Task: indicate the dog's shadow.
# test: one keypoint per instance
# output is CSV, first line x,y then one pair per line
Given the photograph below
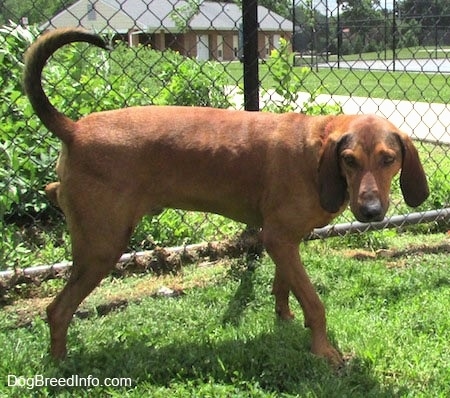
x,y
276,362
245,293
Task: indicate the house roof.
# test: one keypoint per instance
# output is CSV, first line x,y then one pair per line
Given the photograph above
x,y
156,15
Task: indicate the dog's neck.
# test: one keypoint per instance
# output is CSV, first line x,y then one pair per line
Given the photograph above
x,y
327,130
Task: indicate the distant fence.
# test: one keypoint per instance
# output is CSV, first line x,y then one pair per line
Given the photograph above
x,y
217,54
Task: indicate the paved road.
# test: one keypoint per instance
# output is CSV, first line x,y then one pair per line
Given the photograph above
x,y
421,120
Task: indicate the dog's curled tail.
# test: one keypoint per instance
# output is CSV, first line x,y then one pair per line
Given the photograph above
x,y
35,59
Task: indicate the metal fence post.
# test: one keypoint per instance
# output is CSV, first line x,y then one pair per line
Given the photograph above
x,y
250,59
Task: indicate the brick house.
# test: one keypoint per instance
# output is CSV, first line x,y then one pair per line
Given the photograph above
x,y
209,32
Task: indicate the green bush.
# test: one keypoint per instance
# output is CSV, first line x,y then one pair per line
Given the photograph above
x,y
80,80
26,157
192,83
288,85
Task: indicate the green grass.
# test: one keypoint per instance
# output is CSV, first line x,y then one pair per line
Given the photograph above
x,y
389,85
221,339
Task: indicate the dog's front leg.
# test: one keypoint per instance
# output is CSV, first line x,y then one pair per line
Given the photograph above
x,y
290,275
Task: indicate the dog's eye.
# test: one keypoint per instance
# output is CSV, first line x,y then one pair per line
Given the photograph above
x,y
388,160
349,160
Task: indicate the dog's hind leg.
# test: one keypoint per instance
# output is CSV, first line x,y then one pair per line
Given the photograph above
x,y
281,292
96,246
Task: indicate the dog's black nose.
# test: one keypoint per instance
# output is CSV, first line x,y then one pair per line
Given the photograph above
x,y
371,211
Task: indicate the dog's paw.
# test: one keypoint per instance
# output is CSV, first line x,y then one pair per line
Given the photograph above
x,y
331,354
285,314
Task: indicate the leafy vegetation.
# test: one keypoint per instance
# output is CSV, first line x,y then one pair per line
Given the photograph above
x,y
36,11
80,80
288,86
22,162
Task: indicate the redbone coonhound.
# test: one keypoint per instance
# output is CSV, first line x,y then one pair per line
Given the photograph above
x,y
285,173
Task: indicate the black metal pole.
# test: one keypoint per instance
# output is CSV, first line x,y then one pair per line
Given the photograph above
x,y
394,33
250,34
436,26
385,29
293,30
327,31
339,36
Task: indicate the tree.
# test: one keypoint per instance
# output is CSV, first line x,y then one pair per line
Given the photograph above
x,y
37,11
310,28
432,16
362,18
360,9
361,12
427,12
284,7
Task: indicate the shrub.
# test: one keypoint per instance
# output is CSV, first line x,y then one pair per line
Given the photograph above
x,y
25,158
80,80
288,86
187,82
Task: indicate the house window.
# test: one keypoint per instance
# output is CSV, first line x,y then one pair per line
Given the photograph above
x,y
267,45
219,47
236,46
91,13
276,41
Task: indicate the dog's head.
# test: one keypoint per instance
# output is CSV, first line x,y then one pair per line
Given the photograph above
x,y
360,157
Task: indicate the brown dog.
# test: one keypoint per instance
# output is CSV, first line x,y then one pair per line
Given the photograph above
x,y
284,173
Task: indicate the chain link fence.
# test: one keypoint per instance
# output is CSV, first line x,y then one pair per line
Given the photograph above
x,y
312,56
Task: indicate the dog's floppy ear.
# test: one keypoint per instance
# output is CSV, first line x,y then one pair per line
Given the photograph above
x,y
413,181
332,185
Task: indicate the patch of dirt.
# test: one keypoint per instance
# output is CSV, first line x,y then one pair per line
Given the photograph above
x,y
157,262
109,296
160,275
362,255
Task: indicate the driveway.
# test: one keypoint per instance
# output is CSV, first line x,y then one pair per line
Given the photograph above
x,y
421,120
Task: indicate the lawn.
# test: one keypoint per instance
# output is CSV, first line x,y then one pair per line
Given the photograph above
x,y
389,85
387,311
